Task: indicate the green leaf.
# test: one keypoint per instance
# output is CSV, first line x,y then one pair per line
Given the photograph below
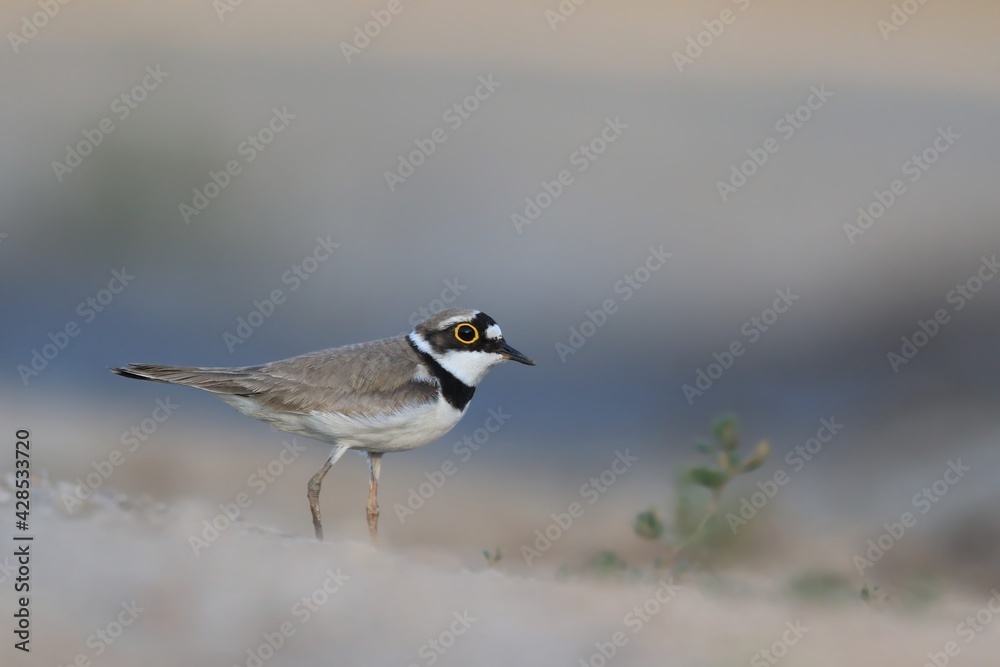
x,y
729,461
608,562
725,429
706,447
708,477
758,457
648,525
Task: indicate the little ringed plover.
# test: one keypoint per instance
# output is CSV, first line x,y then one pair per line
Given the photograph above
x,y
387,395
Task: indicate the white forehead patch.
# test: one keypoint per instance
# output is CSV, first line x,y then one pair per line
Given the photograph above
x,y
493,331
454,320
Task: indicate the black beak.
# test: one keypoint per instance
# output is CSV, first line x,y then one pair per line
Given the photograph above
x,y
511,354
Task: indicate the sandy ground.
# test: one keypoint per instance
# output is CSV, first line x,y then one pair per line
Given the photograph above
x,y
262,586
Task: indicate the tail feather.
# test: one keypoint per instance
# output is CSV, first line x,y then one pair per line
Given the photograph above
x,y
215,380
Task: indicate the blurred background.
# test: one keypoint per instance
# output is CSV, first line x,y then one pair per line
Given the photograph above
x,y
166,169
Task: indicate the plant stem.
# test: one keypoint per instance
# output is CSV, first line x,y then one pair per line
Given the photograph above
x,y
700,529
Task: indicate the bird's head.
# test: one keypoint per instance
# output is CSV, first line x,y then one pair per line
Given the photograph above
x,y
467,343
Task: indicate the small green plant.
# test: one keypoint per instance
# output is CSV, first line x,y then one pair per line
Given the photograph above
x,y
874,598
609,565
648,525
694,516
608,562
823,586
492,558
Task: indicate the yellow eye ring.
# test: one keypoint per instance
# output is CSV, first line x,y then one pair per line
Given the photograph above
x,y
464,327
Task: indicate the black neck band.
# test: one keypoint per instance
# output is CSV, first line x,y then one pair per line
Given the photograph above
x,y
457,393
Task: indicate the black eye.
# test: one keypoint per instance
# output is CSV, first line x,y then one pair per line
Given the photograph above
x,y
466,333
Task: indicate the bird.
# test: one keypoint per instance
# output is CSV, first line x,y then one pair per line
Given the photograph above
x,y
387,395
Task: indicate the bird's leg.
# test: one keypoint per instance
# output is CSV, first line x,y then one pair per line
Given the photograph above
x,y
313,493
375,465
314,486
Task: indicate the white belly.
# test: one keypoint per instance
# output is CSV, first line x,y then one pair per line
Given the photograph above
x,y
403,430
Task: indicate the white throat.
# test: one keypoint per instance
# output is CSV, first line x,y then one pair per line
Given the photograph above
x,y
470,367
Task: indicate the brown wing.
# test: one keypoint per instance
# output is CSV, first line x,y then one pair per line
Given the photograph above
x,y
366,378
